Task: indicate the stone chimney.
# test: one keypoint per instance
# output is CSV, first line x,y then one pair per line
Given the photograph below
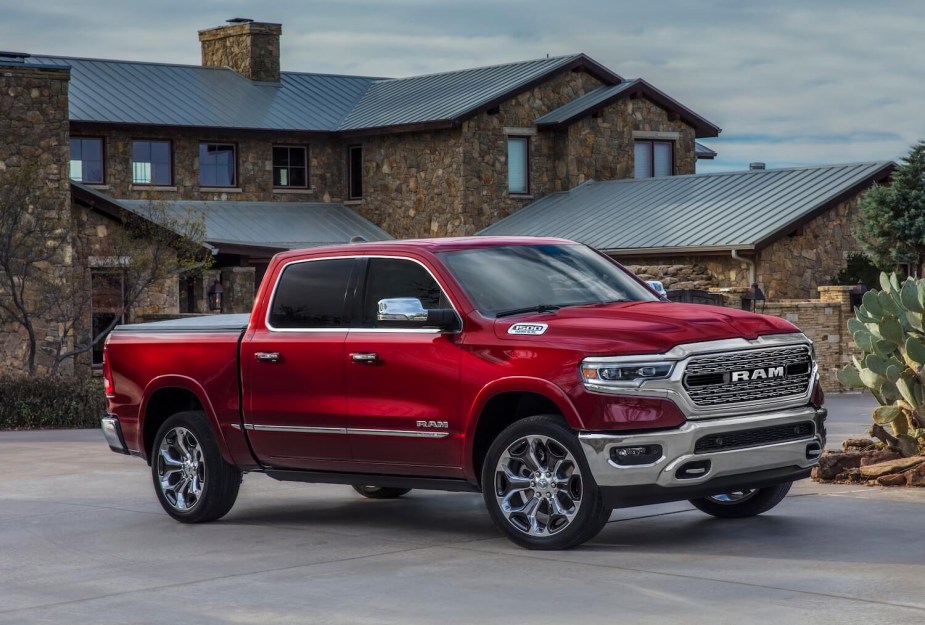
x,y
248,47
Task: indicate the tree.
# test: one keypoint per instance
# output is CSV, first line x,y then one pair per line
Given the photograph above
x,y
891,227
45,264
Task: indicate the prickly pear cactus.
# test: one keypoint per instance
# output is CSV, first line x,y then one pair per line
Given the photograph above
x,y
888,329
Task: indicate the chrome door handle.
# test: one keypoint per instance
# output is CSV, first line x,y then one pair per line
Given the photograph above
x,y
267,356
364,357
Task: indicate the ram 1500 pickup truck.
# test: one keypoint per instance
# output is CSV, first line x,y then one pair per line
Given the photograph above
x,y
537,371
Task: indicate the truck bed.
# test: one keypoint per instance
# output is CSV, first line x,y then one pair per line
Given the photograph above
x,y
211,323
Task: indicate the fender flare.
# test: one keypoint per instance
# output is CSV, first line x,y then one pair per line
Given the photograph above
x,y
519,384
192,386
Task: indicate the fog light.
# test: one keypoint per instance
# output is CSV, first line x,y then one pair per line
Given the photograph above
x,y
636,455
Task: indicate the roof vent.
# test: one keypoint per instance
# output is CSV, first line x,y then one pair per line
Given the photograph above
x,y
757,166
239,20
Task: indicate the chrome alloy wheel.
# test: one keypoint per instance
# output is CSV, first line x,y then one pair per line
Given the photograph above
x,y
538,485
181,470
734,497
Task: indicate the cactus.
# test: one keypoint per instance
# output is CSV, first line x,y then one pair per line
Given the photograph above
x,y
889,330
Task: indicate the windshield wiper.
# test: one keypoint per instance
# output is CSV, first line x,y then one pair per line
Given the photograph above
x,y
540,308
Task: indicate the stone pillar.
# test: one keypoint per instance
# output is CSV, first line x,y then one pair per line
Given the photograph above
x,y
35,133
840,299
238,283
249,48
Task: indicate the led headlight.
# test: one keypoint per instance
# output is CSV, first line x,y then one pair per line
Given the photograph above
x,y
615,373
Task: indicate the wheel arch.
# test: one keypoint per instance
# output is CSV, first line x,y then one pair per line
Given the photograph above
x,y
504,402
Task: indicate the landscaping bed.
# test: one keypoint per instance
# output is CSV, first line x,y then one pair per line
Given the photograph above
x,y
863,461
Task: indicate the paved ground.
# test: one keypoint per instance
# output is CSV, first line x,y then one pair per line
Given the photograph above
x,y
83,541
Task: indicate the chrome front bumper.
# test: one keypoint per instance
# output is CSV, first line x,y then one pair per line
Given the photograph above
x,y
678,451
112,431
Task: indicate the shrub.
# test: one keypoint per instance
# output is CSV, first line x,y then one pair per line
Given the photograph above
x,y
50,402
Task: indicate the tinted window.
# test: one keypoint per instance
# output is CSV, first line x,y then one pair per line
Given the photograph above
x,y
290,166
86,160
312,295
151,162
216,165
507,278
388,278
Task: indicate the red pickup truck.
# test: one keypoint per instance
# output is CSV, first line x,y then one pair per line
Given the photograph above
x,y
537,371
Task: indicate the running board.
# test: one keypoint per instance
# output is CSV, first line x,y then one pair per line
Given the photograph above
x,y
373,479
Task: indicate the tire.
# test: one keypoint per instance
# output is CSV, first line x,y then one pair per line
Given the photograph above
x,y
538,487
380,492
193,482
743,503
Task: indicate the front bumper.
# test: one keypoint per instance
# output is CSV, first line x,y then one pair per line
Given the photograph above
x,y
680,467
112,431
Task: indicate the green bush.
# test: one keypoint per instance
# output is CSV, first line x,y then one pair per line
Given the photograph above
x,y
50,402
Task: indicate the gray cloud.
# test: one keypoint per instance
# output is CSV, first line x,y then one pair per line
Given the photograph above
x,y
790,82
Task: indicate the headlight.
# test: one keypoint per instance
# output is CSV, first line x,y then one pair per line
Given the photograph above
x,y
624,374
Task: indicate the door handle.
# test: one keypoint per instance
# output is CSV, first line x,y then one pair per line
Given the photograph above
x,y
267,356
364,357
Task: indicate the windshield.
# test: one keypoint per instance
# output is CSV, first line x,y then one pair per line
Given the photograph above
x,y
521,278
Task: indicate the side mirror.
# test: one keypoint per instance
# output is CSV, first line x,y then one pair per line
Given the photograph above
x,y
410,310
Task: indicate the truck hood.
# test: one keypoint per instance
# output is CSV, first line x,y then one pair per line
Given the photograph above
x,y
638,327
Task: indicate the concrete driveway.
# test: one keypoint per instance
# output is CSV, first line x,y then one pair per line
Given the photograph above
x,y
83,541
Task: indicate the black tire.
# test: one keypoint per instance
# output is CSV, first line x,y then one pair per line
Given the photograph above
x,y
195,485
568,486
380,492
744,503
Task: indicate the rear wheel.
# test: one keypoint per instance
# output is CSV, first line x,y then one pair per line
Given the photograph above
x,y
380,492
193,482
743,503
538,488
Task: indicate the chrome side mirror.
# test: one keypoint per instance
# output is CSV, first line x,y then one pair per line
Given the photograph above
x,y
402,309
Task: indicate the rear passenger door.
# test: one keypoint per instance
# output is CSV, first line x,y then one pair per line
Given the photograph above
x,y
403,378
293,367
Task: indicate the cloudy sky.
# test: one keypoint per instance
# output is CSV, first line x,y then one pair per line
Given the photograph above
x,y
790,82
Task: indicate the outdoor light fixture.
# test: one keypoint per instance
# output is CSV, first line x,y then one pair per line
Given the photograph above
x,y
752,296
216,294
857,293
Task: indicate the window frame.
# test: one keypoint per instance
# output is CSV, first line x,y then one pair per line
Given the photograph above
x,y
235,181
293,146
350,171
652,143
103,167
171,167
528,157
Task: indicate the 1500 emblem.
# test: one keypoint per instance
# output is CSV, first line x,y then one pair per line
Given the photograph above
x,y
434,424
529,329
758,374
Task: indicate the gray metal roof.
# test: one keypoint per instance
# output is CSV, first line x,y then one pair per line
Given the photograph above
x,y
446,96
721,211
703,151
586,103
280,225
185,95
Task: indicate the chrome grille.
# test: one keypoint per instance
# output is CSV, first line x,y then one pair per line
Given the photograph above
x,y
708,380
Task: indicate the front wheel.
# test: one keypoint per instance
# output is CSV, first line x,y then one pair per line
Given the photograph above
x,y
538,488
744,503
193,482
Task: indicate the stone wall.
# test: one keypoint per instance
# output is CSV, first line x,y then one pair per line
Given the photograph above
x,y
251,49
792,267
34,128
254,152
689,272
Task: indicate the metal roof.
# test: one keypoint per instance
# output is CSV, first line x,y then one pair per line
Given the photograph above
x,y
703,151
583,105
129,92
447,96
700,212
279,225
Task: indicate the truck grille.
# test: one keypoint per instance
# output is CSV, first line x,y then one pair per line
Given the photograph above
x,y
754,438
746,376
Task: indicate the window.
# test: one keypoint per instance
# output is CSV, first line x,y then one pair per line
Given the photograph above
x,y
87,159
217,165
290,166
518,165
355,171
107,294
151,163
654,158
312,294
388,278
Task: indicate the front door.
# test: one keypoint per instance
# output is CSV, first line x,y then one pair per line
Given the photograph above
x,y
293,368
403,378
